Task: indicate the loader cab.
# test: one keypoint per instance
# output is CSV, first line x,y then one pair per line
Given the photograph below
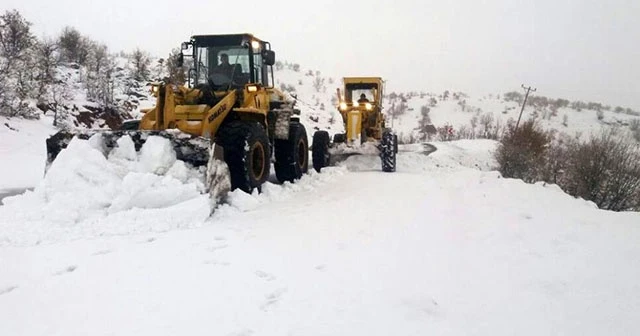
x,y
229,61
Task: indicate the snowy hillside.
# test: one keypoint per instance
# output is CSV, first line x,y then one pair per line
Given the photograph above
x,y
470,117
479,114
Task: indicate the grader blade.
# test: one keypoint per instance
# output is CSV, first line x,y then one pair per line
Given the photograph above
x,y
336,158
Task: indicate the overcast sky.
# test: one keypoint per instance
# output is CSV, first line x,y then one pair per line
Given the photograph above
x,y
585,49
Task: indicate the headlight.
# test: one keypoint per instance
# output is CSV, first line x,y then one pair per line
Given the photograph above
x,y
255,45
355,103
368,106
343,106
252,88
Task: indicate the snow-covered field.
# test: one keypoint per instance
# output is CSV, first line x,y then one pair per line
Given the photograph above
x,y
442,246
126,244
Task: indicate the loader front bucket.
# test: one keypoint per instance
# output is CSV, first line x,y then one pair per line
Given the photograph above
x,y
194,150
189,148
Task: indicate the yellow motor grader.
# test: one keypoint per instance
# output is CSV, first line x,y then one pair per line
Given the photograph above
x,y
364,124
229,112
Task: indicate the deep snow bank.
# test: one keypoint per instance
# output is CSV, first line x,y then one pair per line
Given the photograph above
x,y
86,191
415,158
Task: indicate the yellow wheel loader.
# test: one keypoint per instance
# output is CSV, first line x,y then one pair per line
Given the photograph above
x,y
229,112
364,124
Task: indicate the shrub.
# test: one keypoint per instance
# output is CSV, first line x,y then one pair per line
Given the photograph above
x,y
521,152
605,170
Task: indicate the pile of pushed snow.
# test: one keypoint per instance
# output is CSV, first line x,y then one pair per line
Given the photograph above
x,y
89,192
239,201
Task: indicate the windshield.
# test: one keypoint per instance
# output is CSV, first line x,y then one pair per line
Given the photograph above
x,y
222,66
361,92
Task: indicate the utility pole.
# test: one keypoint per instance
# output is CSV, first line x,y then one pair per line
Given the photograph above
x,y
525,102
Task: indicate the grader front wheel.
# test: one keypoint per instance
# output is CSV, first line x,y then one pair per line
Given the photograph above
x,y
388,151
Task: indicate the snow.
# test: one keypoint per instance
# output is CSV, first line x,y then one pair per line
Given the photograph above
x,y
444,245
23,151
125,242
87,193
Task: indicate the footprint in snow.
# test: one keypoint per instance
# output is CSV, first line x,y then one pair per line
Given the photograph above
x,y
321,267
7,289
66,270
266,276
217,263
273,298
245,332
217,247
101,252
422,307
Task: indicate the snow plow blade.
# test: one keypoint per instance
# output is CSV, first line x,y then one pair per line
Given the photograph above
x,y
194,150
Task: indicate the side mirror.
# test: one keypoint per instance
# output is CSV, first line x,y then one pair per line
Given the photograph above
x,y
184,45
180,59
269,57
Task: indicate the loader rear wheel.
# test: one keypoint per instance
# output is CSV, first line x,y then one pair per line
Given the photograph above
x,y
246,152
320,150
292,155
388,150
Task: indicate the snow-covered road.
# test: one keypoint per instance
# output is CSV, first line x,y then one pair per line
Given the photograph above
x,y
436,248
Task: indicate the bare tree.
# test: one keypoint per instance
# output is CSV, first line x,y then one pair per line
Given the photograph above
x,y
177,73
46,65
486,120
141,62
424,124
74,47
318,83
17,76
59,95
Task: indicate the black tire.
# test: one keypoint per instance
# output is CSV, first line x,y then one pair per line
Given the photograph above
x,y
395,142
292,155
388,150
249,167
320,150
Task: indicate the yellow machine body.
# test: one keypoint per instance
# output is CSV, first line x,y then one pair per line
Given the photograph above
x,y
363,120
